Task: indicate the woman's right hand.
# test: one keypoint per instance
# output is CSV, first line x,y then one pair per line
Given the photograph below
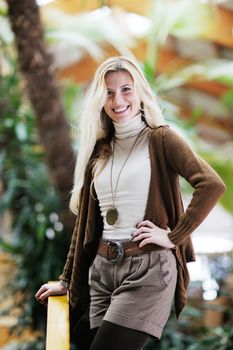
x,y
46,290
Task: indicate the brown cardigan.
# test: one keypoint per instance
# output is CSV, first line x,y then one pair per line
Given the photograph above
x,y
170,157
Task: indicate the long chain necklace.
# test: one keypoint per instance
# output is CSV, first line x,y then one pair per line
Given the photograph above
x,y
112,213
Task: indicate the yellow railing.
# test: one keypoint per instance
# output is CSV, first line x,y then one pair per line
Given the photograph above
x,y
58,335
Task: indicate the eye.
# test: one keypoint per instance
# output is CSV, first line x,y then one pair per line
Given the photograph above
x,y
109,92
126,89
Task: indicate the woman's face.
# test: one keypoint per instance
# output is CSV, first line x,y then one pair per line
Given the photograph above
x,y
122,102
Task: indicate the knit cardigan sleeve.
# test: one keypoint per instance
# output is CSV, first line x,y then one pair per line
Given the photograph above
x,y
67,271
208,187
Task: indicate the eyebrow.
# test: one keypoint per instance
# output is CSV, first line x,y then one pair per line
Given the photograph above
x,y
122,86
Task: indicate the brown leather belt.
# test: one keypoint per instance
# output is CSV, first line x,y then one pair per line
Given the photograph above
x,y
114,251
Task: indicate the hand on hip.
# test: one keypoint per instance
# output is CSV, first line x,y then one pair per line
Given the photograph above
x,y
147,232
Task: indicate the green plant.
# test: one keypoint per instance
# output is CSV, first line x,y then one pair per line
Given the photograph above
x,y
29,195
87,32
189,334
37,242
190,19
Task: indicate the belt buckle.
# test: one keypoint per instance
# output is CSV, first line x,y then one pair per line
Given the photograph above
x,y
119,250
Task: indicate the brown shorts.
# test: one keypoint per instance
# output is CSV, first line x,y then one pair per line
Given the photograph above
x,y
136,293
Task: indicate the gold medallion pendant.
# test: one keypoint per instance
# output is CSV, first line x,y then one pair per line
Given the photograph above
x,y
112,213
111,216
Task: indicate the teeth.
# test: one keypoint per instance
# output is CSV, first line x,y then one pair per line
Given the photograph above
x,y
119,110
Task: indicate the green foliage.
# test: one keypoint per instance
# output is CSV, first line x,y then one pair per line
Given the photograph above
x,y
188,128
189,334
38,241
25,346
182,18
190,19
227,98
221,160
86,32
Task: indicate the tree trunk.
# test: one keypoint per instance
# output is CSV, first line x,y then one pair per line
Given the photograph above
x,y
37,67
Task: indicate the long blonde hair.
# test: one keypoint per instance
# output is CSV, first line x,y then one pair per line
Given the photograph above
x,y
96,125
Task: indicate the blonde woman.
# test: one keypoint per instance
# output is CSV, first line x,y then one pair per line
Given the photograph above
x,y
131,242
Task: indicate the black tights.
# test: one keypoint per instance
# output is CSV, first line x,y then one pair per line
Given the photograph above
x,y
113,337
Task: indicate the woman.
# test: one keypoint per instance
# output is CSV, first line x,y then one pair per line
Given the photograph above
x,y
131,241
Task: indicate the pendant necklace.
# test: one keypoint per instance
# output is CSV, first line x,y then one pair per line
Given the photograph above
x,y
112,213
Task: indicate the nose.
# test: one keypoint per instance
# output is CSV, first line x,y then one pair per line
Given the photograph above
x,y
117,98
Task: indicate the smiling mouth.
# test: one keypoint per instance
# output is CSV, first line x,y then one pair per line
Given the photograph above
x,y
120,110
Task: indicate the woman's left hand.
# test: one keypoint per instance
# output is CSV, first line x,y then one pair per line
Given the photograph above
x,y
147,232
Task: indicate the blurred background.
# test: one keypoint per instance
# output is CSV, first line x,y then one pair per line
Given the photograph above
x,y
49,52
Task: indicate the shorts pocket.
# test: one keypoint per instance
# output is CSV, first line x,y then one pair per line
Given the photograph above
x,y
165,266
133,268
94,270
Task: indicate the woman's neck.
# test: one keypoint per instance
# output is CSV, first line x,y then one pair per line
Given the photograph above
x,y
130,128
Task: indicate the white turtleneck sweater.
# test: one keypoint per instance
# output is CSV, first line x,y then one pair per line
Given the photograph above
x,y
132,192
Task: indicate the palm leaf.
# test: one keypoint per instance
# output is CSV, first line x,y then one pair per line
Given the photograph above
x,y
87,31
182,18
215,69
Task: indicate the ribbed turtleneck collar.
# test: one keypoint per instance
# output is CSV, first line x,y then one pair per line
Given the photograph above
x,y
129,128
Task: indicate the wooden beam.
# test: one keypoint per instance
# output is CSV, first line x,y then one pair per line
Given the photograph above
x,y
210,123
83,71
222,32
169,61
136,6
212,87
58,333
74,6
